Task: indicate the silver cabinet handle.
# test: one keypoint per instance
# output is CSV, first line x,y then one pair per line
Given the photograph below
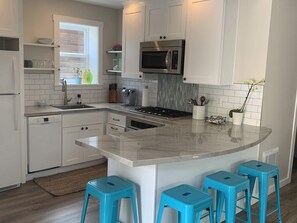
x,y
116,119
114,128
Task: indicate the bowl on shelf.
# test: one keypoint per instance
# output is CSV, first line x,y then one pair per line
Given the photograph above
x,y
45,40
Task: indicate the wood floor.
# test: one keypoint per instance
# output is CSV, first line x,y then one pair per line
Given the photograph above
x,y
30,204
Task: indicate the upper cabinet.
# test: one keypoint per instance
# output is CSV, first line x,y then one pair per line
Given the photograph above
x,y
165,19
211,41
133,34
252,39
9,20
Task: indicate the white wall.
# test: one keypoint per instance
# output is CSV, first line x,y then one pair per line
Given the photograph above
x,y
280,88
38,22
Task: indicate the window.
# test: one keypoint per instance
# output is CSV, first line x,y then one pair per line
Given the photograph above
x,y
79,56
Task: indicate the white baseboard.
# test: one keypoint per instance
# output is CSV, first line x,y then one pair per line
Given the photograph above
x,y
31,176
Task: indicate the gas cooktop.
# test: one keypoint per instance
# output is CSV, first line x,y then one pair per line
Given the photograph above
x,y
163,112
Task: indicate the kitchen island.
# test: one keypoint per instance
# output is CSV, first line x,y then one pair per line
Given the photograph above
x,y
184,151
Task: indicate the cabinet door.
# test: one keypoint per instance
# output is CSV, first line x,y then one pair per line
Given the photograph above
x,y
203,41
176,19
155,20
9,11
211,41
90,131
133,34
165,20
71,153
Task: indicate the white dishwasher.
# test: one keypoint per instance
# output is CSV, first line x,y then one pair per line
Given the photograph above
x,y
45,142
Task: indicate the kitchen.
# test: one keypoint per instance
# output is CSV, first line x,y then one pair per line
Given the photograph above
x,y
39,86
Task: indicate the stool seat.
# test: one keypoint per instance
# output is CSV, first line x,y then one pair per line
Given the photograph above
x,y
188,201
263,172
228,185
109,191
257,168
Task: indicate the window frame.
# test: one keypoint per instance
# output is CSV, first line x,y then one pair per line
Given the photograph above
x,y
59,18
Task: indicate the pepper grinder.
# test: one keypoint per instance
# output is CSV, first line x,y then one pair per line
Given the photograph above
x,y
78,99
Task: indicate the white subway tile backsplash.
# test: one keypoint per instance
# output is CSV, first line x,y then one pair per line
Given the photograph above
x,y
229,92
224,98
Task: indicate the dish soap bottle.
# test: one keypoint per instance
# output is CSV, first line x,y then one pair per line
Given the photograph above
x,y
78,99
89,77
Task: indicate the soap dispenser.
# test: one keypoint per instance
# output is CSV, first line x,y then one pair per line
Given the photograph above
x,y
78,99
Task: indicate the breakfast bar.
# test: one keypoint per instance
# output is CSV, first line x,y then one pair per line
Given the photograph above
x,y
184,151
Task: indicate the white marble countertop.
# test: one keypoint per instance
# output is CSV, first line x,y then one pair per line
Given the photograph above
x,y
182,140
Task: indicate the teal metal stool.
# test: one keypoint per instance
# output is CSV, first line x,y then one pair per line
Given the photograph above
x,y
188,201
263,171
227,186
109,191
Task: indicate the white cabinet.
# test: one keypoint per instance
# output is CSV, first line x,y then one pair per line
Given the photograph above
x,y
9,19
210,41
81,125
165,19
116,123
133,34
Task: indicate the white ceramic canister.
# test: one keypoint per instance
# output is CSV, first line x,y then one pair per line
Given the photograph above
x,y
198,112
237,118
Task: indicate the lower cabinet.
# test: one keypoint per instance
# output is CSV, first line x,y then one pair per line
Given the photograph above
x,y
77,126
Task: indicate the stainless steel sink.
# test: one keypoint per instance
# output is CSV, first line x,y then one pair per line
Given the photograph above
x,y
66,107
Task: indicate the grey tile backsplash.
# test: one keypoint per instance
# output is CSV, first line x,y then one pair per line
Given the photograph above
x,y
174,94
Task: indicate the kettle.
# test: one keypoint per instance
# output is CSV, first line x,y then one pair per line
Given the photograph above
x,y
129,96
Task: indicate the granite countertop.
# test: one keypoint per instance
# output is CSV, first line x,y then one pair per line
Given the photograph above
x,y
182,140
179,140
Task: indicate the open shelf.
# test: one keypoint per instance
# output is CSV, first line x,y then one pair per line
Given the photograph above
x,y
114,71
113,51
40,45
38,69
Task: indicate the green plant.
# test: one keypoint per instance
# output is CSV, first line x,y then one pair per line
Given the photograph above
x,y
251,87
78,71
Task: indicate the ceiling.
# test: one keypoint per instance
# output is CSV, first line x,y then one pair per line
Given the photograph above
x,y
117,4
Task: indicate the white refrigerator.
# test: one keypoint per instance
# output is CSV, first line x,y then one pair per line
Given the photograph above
x,y
10,149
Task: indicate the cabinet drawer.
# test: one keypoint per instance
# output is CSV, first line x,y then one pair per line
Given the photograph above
x,y
116,119
84,118
110,128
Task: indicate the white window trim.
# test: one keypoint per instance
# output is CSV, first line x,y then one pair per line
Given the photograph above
x,y
59,18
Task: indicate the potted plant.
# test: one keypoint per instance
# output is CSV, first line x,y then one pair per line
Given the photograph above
x,y
78,75
237,114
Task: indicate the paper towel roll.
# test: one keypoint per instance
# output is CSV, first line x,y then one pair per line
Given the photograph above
x,y
144,97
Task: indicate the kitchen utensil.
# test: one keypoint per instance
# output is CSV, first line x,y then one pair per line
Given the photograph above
x,y
192,101
202,100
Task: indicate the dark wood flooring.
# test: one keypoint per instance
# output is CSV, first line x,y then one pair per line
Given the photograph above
x,y
30,204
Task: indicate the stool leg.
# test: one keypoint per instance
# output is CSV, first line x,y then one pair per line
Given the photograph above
x,y
115,211
134,208
277,193
210,213
188,217
219,206
105,210
248,205
84,211
263,184
252,184
230,207
160,211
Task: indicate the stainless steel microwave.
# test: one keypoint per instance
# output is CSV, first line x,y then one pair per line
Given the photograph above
x,y
162,56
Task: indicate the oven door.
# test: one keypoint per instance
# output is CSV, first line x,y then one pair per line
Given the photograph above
x,y
161,60
133,124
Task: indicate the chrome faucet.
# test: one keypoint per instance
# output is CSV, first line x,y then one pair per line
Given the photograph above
x,y
64,89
